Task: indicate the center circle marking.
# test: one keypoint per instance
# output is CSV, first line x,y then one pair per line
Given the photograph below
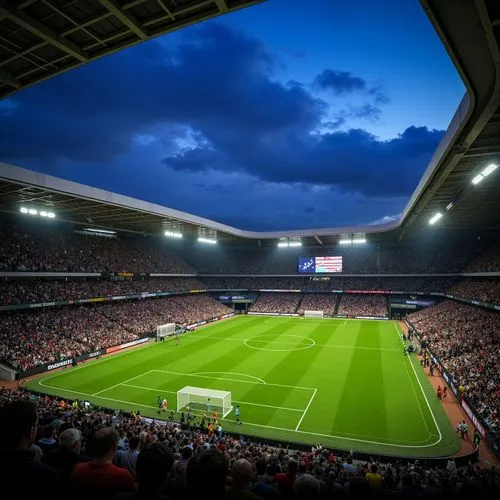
x,y
311,343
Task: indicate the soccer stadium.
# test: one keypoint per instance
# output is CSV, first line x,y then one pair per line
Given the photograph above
x,y
184,356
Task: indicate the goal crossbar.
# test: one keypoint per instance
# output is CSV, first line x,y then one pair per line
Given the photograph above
x,y
165,330
314,314
206,400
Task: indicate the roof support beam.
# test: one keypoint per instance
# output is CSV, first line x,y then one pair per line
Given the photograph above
x,y
318,240
166,9
125,17
9,79
222,6
28,23
482,151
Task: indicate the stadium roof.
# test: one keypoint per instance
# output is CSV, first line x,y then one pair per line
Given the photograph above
x,y
41,38
470,31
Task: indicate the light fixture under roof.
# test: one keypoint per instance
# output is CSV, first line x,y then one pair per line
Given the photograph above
x,y
33,211
98,231
173,234
435,218
488,170
209,241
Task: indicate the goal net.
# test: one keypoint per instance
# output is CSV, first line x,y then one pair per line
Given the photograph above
x,y
204,400
313,314
163,331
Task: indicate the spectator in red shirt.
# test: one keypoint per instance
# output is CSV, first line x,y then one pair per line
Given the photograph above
x,y
285,480
100,478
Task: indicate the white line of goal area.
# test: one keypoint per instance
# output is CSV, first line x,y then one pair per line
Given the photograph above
x,y
247,424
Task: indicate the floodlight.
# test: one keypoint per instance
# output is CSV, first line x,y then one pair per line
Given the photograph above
x,y
435,218
51,215
43,213
283,244
359,240
172,234
345,242
32,211
23,210
489,169
98,231
207,240
295,244
477,179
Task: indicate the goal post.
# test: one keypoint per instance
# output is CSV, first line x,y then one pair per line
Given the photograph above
x,y
165,330
205,400
314,314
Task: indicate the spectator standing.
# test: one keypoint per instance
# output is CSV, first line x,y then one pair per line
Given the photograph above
x,y
128,460
100,478
20,472
67,454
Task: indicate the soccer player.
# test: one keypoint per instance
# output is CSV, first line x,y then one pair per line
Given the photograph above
x,y
208,406
164,405
176,338
159,401
237,414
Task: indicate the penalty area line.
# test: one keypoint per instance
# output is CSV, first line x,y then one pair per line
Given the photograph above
x,y
307,408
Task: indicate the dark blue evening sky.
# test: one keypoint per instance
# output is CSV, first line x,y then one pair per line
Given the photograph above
x,y
278,116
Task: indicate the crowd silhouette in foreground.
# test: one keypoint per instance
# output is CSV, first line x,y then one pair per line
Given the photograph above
x,y
51,447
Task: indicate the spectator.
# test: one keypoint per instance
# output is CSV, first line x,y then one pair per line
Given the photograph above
x,y
20,472
100,478
67,454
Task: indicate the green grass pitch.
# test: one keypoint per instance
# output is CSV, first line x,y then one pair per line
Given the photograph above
x,y
341,383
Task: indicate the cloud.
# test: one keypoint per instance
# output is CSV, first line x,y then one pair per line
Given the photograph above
x,y
352,161
339,82
344,82
386,219
171,122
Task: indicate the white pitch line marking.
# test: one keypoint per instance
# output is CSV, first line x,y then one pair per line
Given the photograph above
x,y
233,380
422,389
307,408
121,383
261,381
410,445
235,400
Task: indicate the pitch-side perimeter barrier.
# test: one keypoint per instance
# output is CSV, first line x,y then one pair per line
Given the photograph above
x,y
492,440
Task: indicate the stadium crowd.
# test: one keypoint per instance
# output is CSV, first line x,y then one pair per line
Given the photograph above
x,y
278,303
35,337
488,261
487,290
318,302
329,283
29,245
465,338
143,317
53,247
165,460
26,291
363,305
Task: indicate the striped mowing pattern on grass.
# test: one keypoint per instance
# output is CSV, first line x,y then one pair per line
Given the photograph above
x,y
340,383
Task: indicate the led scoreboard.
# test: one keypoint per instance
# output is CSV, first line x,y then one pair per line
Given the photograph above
x,y
320,264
